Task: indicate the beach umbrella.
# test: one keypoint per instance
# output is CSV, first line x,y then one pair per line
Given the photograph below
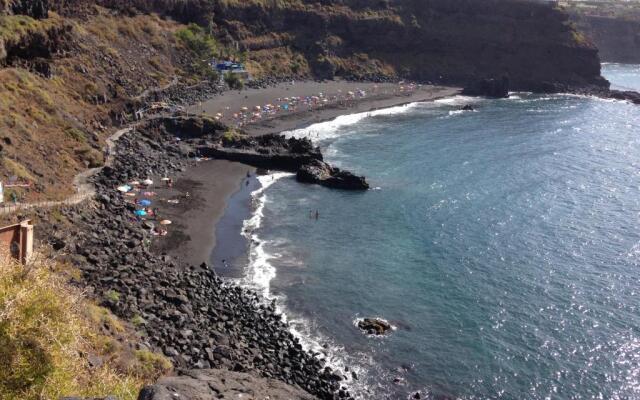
x,y
244,109
124,188
149,194
134,183
130,194
165,222
148,182
140,213
164,179
145,202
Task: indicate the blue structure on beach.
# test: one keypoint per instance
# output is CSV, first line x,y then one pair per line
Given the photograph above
x,y
225,67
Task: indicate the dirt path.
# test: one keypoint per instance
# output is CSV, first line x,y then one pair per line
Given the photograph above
x,y
84,188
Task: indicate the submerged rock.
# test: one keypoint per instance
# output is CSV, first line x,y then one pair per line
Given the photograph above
x,y
374,326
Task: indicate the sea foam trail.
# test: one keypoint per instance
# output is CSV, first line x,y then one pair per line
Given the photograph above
x,y
261,272
331,129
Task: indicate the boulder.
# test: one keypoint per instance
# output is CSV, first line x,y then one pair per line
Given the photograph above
x,y
323,174
493,88
221,384
374,326
468,107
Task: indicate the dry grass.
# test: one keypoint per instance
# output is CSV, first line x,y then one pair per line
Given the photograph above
x,y
53,128
46,330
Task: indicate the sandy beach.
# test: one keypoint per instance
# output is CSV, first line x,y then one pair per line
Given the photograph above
x,y
211,184
375,96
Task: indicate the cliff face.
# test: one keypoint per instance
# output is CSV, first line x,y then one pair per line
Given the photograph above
x,y
617,38
451,41
70,67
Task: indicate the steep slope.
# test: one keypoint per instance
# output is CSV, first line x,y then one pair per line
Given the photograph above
x,y
64,81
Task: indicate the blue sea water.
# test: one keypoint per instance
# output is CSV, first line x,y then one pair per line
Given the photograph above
x,y
503,245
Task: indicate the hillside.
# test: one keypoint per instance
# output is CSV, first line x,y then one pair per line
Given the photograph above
x,y
70,70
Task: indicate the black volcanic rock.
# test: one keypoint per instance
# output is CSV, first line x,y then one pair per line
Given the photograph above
x,y
37,9
493,88
633,97
374,326
323,174
220,383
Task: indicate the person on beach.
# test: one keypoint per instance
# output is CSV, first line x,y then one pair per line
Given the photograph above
x,y
317,215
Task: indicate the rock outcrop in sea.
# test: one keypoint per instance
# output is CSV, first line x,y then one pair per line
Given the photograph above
x,y
275,152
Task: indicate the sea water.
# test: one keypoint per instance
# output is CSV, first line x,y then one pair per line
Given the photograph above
x,y
503,245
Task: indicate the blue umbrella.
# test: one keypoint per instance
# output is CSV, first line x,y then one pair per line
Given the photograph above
x,y
140,213
145,202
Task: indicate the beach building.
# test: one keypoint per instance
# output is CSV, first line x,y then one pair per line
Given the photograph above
x,y
226,66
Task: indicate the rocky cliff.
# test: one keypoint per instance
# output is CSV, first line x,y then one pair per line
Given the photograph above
x,y
617,38
450,41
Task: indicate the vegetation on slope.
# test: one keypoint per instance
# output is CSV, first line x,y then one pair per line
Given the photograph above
x,y
53,125
54,343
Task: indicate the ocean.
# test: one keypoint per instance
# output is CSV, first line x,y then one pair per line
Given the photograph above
x,y
503,245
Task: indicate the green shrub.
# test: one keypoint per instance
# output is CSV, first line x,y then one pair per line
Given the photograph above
x,y
113,295
230,136
199,42
233,80
137,320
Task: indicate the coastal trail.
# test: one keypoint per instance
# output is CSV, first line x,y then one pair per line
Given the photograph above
x,y
84,189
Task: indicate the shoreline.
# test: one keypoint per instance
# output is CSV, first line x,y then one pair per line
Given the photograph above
x,y
200,219
378,96
239,207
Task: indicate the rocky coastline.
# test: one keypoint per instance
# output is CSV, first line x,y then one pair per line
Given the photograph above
x,y
187,312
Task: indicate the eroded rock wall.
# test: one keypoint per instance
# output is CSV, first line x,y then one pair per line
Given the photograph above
x,y
618,39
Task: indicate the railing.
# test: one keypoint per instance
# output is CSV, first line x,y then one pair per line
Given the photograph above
x,y
72,200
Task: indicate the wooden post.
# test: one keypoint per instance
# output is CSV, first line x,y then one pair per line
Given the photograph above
x,y
26,241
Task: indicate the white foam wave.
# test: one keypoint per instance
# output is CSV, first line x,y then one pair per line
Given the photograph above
x,y
260,272
457,100
331,129
258,276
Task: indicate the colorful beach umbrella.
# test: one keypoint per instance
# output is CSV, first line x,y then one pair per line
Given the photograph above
x,y
140,213
145,202
165,222
124,188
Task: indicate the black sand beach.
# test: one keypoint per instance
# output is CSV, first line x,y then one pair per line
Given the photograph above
x,y
212,183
